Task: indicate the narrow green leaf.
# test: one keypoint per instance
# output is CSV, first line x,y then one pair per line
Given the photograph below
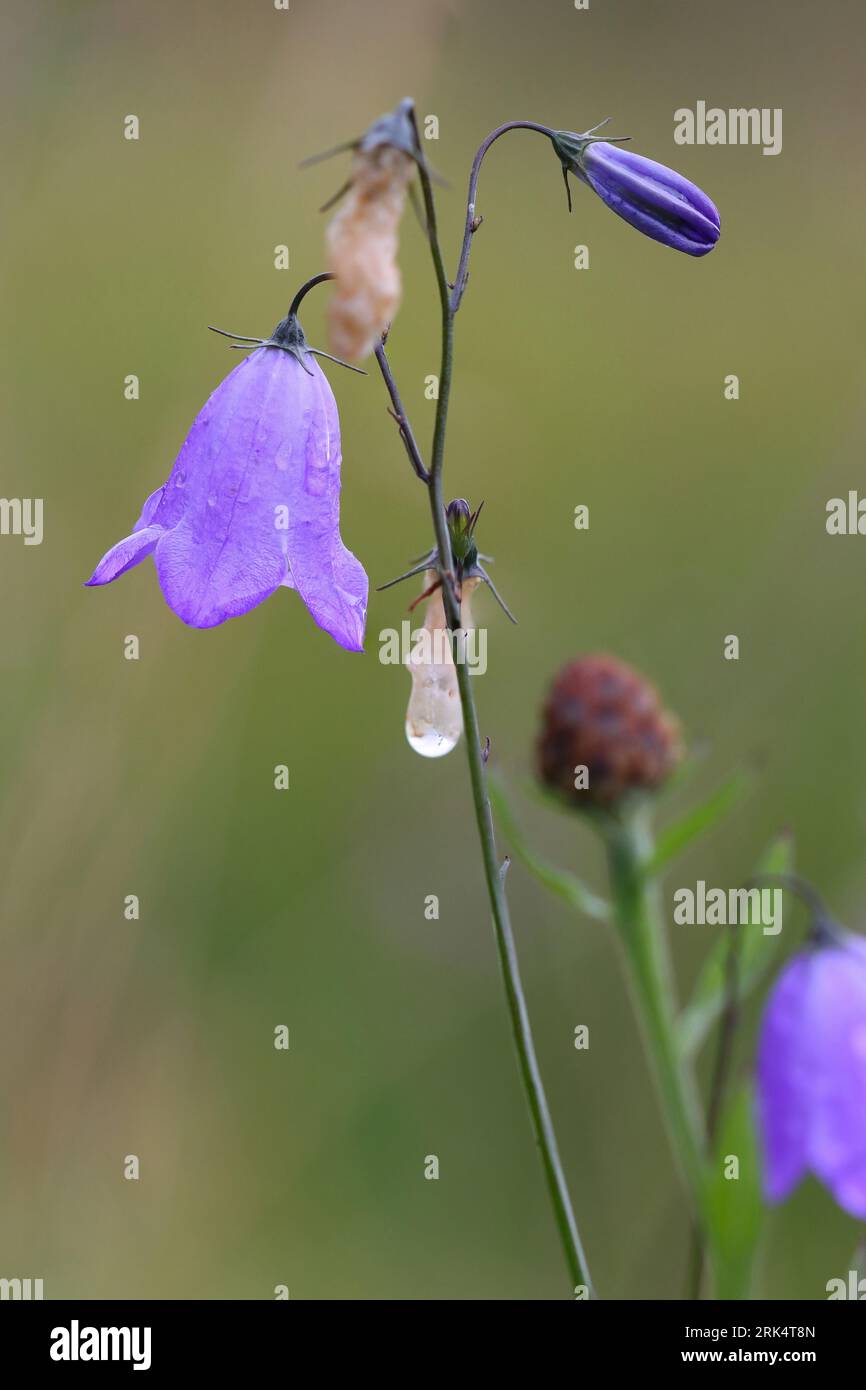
x,y
734,1206
756,953
699,819
560,881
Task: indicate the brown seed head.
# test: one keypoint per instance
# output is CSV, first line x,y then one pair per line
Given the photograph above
x,y
602,715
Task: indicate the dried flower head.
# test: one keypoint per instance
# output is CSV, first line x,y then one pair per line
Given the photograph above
x,y
362,236
602,716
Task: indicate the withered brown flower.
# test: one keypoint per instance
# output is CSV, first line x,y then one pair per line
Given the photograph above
x,y
603,716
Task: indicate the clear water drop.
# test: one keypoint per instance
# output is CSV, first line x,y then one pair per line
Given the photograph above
x,y
429,744
434,719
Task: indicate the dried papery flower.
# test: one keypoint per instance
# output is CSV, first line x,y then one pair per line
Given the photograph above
x,y
656,200
362,238
253,500
602,716
811,1072
434,720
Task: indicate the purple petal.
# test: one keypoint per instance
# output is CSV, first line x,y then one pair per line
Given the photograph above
x,y
329,579
253,503
656,200
784,1084
837,1022
128,552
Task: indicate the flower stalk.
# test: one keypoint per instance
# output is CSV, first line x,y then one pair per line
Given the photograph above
x,y
635,895
542,1124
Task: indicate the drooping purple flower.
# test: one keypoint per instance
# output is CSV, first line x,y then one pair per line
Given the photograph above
x,y
253,501
811,1073
656,200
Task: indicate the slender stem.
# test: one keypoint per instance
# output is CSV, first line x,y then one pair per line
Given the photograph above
x,y
538,1108
473,222
305,290
437,453
542,1124
400,416
630,848
727,1034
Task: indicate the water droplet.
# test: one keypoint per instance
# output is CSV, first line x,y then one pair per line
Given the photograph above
x,y
429,743
212,500
434,720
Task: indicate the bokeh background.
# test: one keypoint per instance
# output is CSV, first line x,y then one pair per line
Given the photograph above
x,y
155,777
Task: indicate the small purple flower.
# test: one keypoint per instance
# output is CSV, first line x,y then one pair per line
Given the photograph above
x,y
811,1072
253,501
659,202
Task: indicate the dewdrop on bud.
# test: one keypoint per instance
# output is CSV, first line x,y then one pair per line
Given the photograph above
x,y
602,716
362,239
434,720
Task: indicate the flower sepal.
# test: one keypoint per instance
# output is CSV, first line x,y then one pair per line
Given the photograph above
x,y
570,148
289,335
464,550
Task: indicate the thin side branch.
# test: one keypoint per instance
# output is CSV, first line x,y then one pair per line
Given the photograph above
x,y
400,416
473,221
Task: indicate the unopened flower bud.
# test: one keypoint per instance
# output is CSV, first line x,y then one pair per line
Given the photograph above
x,y
604,733
459,515
461,527
656,200
362,237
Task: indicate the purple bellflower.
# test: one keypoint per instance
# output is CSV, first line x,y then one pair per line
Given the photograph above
x,y
811,1070
253,500
658,201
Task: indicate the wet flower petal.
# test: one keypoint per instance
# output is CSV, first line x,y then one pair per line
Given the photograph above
x,y
253,499
125,554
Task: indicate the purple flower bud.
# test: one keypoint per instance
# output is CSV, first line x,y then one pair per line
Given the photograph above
x,y
811,1073
253,501
459,515
659,202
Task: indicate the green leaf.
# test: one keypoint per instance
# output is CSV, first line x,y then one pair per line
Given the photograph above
x,y
699,819
756,953
734,1206
566,885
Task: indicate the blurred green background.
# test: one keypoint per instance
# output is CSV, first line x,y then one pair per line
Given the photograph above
x,y
155,777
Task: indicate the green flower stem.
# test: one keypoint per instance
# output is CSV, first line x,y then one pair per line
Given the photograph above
x,y
528,1062
630,852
